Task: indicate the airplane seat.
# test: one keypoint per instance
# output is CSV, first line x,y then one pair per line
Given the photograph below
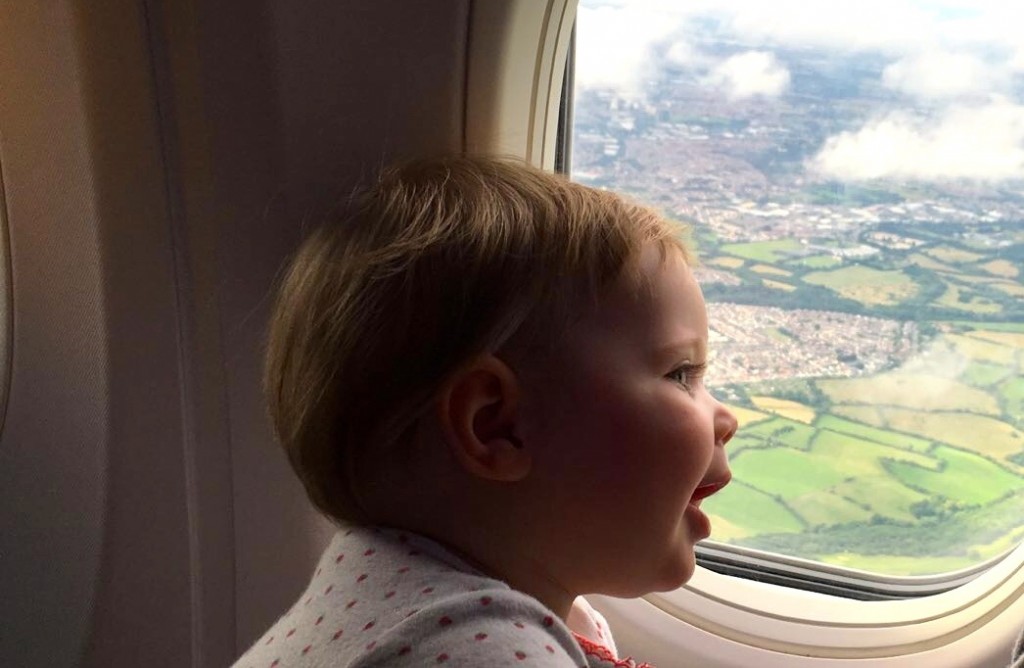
x,y
159,160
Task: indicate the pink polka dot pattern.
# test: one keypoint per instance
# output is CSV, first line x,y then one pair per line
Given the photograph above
x,y
417,605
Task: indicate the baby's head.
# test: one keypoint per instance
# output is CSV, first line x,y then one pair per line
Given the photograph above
x,y
509,362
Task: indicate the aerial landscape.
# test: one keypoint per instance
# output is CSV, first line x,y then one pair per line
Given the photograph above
x,y
861,245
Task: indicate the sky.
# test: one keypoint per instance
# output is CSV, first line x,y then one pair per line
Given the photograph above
x,y
952,66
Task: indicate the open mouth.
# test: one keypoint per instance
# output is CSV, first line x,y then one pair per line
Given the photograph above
x,y
705,491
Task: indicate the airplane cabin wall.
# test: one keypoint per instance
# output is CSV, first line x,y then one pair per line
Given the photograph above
x,y
159,161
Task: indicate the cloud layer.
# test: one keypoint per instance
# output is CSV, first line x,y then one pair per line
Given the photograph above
x,y
955,69
941,74
984,142
749,74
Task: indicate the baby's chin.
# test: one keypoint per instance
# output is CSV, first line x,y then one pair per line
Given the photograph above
x,y
673,572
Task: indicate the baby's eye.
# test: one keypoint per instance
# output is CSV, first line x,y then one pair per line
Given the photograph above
x,y
688,375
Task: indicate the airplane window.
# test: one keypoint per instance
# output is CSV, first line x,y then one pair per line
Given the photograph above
x,y
855,187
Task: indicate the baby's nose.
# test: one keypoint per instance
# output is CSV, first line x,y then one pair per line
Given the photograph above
x,y
725,425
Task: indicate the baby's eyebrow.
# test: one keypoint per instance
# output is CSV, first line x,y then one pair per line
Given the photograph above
x,y
690,350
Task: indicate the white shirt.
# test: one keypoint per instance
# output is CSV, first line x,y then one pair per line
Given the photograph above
x,y
385,597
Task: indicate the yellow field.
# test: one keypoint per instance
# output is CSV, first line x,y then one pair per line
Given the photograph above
x,y
928,263
879,294
951,299
860,413
917,391
1013,339
972,347
975,280
1003,268
1012,289
788,409
745,416
725,531
954,255
823,507
776,285
863,459
1000,545
768,269
977,433
897,565
727,262
866,285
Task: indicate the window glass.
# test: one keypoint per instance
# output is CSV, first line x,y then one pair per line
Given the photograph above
x,y
853,174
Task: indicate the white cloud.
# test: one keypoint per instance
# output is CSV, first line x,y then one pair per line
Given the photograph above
x,y
1016,63
681,53
982,143
614,45
939,74
751,73
888,25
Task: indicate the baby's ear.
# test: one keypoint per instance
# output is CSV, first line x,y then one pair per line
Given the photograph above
x,y
477,411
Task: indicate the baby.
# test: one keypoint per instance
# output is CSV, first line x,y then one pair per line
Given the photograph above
x,y
491,378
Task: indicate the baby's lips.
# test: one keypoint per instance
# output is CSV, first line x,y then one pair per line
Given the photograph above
x,y
707,490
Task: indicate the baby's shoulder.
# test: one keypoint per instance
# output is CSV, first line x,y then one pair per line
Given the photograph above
x,y
492,626
391,598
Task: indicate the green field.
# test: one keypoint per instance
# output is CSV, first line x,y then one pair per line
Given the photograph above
x,y
895,564
882,496
916,468
786,472
956,297
891,458
833,423
783,431
821,508
1016,327
866,285
964,477
747,511
820,262
985,374
764,251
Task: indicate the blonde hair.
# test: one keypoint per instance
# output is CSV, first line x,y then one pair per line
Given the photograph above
x,y
439,261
